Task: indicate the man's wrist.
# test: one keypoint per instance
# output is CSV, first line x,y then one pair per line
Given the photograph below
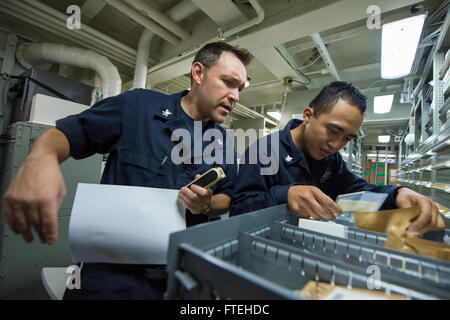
x,y
38,157
208,209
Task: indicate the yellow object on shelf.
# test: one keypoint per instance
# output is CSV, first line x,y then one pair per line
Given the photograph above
x,y
441,165
442,187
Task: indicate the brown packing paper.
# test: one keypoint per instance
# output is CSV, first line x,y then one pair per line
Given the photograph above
x,y
428,248
382,221
394,224
321,290
396,241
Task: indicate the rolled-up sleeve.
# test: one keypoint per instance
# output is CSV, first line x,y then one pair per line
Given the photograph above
x,y
96,129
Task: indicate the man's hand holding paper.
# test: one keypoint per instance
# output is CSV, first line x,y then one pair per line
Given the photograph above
x,y
429,217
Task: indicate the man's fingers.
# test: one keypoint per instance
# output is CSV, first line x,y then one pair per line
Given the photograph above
x,y
200,190
309,210
9,216
189,193
186,201
327,213
181,199
420,232
21,223
321,211
305,200
310,213
32,214
436,223
195,198
440,223
193,206
323,205
34,220
328,203
425,215
27,235
314,215
48,212
302,212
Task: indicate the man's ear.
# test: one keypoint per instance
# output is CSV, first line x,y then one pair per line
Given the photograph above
x,y
308,113
198,73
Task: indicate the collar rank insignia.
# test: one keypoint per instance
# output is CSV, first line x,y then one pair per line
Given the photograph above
x,y
166,113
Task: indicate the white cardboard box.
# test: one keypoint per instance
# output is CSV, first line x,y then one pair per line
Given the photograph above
x,y
46,109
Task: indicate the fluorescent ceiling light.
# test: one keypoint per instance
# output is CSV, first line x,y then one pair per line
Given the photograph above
x,y
274,114
399,42
384,139
382,104
381,155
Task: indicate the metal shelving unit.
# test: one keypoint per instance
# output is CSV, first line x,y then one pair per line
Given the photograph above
x,y
352,155
426,164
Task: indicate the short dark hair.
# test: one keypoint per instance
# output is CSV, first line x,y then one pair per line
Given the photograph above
x,y
327,98
211,52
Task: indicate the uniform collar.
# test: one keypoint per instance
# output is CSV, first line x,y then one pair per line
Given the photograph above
x,y
171,107
171,113
292,154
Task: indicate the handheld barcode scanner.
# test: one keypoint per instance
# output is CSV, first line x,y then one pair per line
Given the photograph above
x,y
209,178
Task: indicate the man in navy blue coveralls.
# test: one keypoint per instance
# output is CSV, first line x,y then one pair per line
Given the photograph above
x,y
136,128
311,172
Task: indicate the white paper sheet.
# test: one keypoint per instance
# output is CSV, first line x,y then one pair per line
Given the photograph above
x,y
123,224
328,227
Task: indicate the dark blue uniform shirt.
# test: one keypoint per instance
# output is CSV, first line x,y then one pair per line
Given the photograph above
x,y
254,191
135,128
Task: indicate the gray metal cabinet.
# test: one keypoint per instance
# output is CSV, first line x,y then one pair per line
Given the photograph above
x,y
21,263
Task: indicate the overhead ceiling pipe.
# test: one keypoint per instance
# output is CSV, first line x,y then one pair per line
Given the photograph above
x,y
159,17
62,54
177,13
147,23
140,70
325,55
43,17
256,20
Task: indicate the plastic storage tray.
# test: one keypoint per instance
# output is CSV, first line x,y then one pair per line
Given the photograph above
x,y
264,255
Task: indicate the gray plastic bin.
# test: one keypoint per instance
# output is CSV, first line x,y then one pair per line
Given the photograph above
x,y
264,255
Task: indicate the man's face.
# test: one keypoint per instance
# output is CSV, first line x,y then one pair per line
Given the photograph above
x,y
331,131
220,86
